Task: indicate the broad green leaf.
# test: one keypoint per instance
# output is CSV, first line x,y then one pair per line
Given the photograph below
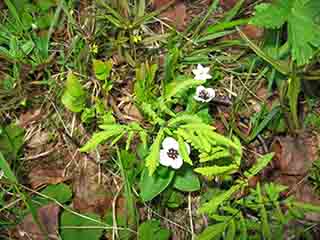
x,y
100,137
11,141
213,231
60,192
152,160
102,69
186,181
151,229
5,167
272,15
303,30
80,228
74,97
152,186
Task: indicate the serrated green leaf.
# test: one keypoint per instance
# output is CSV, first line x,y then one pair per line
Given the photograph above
x,y
214,203
261,163
216,170
100,137
272,15
152,160
303,31
177,87
213,231
183,150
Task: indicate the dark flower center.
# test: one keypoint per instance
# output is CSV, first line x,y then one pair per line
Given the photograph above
x,y
204,95
172,153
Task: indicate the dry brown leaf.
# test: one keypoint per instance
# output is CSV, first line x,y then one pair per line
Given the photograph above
x,y
160,3
89,194
295,155
48,217
29,117
132,111
39,139
176,16
43,176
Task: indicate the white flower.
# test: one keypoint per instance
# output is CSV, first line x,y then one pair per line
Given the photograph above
x,y
169,154
201,73
1,174
204,94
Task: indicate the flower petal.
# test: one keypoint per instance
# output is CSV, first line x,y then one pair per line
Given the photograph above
x,y
170,142
188,147
211,92
177,163
164,158
206,76
200,89
200,67
205,70
199,99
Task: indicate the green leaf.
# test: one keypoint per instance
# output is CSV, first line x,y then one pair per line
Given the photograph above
x,y
60,192
294,88
303,31
261,163
80,228
11,141
152,186
217,170
5,167
212,232
102,69
152,160
74,96
186,181
214,203
231,232
264,217
177,87
183,150
272,15
100,137
151,229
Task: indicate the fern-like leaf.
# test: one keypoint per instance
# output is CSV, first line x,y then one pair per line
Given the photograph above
x,y
152,160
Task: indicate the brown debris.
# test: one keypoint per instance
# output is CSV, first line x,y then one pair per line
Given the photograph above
x,y
48,217
89,194
44,176
295,155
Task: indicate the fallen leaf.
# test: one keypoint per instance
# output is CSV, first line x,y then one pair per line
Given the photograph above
x,y
160,3
132,111
29,117
176,16
90,196
39,139
295,155
42,176
48,217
